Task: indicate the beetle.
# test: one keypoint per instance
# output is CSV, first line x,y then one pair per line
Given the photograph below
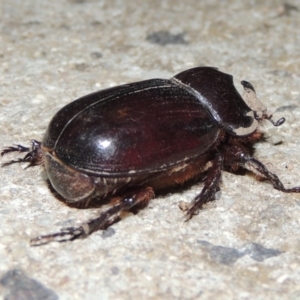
x,y
120,145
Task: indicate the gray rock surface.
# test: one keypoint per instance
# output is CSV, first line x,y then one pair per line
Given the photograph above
x,y
245,245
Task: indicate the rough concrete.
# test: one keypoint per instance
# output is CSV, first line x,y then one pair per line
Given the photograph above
x,y
244,246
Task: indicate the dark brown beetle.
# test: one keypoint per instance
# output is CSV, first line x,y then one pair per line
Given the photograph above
x,y
121,144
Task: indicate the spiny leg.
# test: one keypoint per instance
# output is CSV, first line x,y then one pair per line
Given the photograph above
x,y
211,186
257,167
137,198
34,154
16,148
237,154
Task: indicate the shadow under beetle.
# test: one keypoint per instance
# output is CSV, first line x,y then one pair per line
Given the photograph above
x,y
121,144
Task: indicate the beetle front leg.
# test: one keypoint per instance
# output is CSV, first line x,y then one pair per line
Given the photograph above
x,y
211,186
137,199
240,156
257,167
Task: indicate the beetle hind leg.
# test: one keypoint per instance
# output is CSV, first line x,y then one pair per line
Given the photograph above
x,y
136,199
34,154
211,186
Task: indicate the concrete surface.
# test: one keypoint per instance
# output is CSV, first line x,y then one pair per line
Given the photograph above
x,y
244,246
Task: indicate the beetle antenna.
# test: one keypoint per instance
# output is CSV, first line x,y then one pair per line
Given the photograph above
x,y
277,123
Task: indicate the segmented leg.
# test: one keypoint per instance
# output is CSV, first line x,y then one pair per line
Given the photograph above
x,y
137,198
237,154
256,166
34,154
211,186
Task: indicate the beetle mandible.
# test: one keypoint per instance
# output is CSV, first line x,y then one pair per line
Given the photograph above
x,y
122,144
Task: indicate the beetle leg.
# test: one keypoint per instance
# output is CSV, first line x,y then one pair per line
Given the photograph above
x,y
237,154
34,154
211,186
256,166
138,198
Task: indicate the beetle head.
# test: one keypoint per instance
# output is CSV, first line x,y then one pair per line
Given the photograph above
x,y
260,111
